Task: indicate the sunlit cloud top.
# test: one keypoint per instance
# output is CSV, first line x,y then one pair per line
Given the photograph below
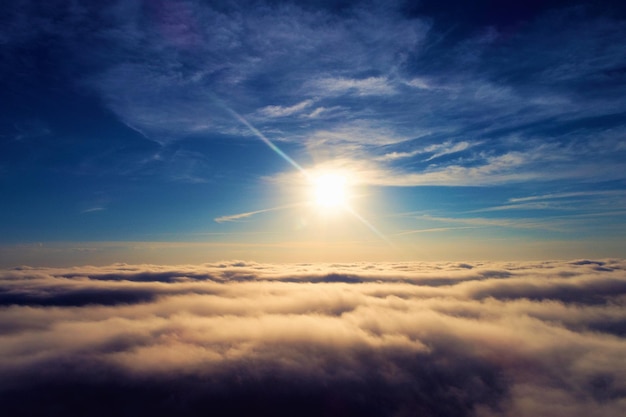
x,y
372,339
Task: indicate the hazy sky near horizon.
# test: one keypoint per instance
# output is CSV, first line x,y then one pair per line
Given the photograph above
x,y
189,131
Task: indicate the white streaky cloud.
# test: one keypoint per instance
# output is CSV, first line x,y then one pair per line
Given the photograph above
x,y
363,87
433,230
558,196
559,223
496,170
392,156
354,135
597,201
502,169
350,146
429,84
157,104
93,209
522,206
317,112
327,112
334,150
239,216
281,111
227,50
420,83
437,150
448,148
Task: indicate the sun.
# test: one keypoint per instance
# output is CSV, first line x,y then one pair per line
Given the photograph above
x,y
330,191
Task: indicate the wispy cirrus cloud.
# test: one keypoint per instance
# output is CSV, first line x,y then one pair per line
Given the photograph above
x,y
240,216
556,223
167,64
231,57
567,195
435,151
280,111
514,101
93,209
594,202
361,87
434,230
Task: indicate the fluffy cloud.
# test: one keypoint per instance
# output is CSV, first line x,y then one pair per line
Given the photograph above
x,y
241,338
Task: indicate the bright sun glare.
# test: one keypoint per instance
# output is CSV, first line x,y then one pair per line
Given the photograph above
x,y
330,191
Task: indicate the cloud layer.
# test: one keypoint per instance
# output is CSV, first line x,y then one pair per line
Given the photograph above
x,y
240,338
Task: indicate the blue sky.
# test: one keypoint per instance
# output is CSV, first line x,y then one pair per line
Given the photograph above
x,y
187,130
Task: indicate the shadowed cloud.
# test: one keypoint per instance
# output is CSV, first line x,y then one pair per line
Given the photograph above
x,y
372,339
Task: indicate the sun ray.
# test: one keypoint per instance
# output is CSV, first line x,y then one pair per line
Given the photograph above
x,y
330,188
261,136
368,225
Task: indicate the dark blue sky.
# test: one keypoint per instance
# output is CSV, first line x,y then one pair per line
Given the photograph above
x,y
464,129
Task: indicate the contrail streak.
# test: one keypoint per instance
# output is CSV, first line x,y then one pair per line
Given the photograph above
x,y
287,158
234,217
261,136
